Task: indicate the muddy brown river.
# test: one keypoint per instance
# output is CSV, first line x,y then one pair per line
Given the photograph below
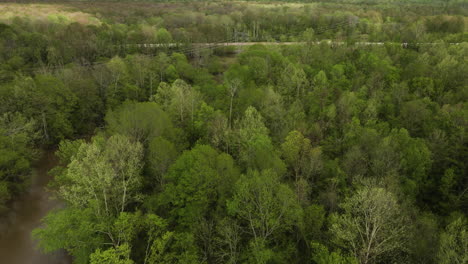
x,y
16,244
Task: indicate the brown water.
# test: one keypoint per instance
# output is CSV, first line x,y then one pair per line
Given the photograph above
x,y
16,244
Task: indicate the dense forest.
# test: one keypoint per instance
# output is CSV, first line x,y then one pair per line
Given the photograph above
x,y
347,145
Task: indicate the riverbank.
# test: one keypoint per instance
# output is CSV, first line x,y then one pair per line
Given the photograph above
x,y
16,244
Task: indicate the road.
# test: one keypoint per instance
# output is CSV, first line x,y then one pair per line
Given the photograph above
x,y
240,44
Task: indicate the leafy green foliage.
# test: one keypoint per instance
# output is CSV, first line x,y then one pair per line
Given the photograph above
x,y
104,175
118,255
267,207
198,182
454,243
66,229
348,146
17,136
321,255
255,148
140,122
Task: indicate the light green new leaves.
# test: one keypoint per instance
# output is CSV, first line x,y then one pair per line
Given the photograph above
x,y
371,226
453,247
267,206
117,255
104,175
180,100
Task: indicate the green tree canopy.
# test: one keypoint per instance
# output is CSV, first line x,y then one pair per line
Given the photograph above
x,y
140,122
198,183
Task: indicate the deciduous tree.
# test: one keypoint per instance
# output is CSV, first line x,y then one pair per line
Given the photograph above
x,y
372,225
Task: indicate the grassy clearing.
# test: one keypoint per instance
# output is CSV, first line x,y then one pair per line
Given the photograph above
x,y
45,13
279,4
